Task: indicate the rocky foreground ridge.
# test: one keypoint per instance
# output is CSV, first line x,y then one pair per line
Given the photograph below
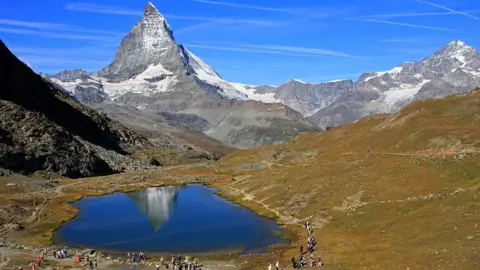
x,y
44,128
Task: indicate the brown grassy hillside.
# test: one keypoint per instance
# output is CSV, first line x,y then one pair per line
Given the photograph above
x,y
387,192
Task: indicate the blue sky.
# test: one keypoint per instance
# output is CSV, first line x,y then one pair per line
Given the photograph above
x,y
248,41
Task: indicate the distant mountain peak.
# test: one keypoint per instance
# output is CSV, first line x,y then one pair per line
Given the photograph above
x,y
456,46
457,43
298,81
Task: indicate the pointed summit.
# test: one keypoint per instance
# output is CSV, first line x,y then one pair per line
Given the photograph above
x,y
151,10
457,43
149,43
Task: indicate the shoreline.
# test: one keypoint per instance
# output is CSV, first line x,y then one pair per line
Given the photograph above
x,y
61,205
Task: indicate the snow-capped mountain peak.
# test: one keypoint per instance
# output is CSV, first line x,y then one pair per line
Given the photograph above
x,y
459,52
149,42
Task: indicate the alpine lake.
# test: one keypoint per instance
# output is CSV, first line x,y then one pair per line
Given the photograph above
x,y
190,219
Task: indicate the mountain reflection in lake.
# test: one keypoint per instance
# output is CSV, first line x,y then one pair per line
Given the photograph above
x,y
189,219
157,203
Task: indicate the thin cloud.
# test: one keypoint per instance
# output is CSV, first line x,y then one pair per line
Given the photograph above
x,y
37,25
194,27
274,49
449,9
117,10
404,40
301,50
99,50
409,25
52,35
245,50
283,10
423,14
55,61
105,9
224,20
55,27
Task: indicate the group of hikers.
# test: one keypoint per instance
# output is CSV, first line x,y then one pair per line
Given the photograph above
x,y
59,254
132,257
177,262
38,261
311,243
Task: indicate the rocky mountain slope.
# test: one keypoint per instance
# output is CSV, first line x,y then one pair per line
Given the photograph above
x,y
154,73
43,128
454,69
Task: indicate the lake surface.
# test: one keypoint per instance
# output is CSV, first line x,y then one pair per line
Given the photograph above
x,y
189,219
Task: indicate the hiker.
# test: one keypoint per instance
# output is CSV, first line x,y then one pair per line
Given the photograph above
x,y
95,263
42,254
157,266
32,265
128,256
301,249
90,263
277,265
161,261
173,259
270,267
195,263
77,259
39,260
302,261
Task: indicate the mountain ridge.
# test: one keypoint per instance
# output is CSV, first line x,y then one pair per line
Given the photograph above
x,y
153,73
44,128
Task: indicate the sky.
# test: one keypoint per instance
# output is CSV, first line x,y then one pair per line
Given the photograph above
x,y
249,41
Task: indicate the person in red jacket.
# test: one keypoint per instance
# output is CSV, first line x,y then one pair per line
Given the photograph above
x,y
77,259
39,260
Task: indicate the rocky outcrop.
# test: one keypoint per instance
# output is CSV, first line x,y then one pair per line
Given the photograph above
x,y
308,98
40,124
30,142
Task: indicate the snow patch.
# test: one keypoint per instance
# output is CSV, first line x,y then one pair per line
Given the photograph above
x,y
403,92
205,73
68,86
377,74
393,72
137,85
251,93
312,112
299,81
153,71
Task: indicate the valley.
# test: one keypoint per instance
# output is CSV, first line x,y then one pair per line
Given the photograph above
x,y
378,191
